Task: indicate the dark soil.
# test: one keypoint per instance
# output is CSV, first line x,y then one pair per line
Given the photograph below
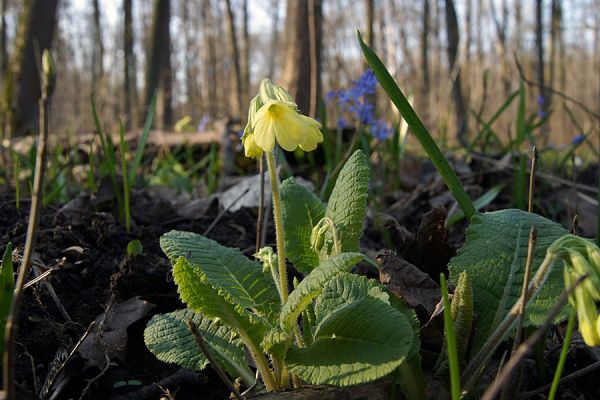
x,y
86,249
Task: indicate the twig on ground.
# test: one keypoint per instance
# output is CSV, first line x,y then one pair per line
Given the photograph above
x,y
94,379
525,348
216,366
565,379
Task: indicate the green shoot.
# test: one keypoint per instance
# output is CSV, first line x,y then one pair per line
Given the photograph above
x,y
450,342
139,151
7,285
563,355
414,122
126,187
109,154
479,203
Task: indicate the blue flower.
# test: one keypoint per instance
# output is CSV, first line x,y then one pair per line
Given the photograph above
x,y
578,139
341,123
380,130
365,85
330,96
540,100
542,114
203,122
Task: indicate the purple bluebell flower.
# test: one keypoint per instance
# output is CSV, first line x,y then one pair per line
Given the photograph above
x,y
203,123
540,100
542,114
331,96
578,139
380,130
341,123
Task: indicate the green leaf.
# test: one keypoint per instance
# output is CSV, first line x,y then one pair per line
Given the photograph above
x,y
7,286
235,276
417,127
347,206
313,285
201,297
169,338
494,257
301,210
362,341
345,289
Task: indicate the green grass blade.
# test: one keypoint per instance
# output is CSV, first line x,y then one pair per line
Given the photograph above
x,y
413,121
109,154
521,124
139,151
479,203
7,285
450,342
487,126
563,355
126,187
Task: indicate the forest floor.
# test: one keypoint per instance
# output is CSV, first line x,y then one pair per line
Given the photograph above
x,y
93,279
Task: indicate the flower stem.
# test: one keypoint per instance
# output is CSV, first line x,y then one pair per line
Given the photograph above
x,y
283,282
563,355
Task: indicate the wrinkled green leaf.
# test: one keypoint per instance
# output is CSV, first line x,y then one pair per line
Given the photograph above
x,y
203,298
347,206
301,210
313,285
360,342
344,289
235,276
494,257
169,338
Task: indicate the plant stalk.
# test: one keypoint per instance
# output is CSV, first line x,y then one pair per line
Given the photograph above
x,y
12,322
283,281
563,355
261,363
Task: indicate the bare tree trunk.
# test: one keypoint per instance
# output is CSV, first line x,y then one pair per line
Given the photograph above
x,y
426,83
501,24
555,42
130,76
245,53
3,42
98,51
235,55
274,37
539,46
297,72
452,49
189,60
210,58
369,33
34,34
158,72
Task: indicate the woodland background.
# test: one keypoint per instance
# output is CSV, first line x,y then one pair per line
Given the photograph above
x,y
460,59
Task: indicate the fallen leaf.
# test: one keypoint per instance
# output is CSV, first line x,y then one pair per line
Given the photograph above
x,y
109,336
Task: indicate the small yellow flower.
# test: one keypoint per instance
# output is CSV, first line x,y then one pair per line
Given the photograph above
x,y
278,120
251,149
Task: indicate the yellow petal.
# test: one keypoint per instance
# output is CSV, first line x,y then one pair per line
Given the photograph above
x,y
264,134
589,333
313,134
251,149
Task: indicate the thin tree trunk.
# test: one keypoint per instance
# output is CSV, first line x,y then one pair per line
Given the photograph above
x,y
35,32
98,51
3,41
245,53
130,76
452,49
158,72
235,56
426,82
539,46
274,6
297,71
555,40
210,59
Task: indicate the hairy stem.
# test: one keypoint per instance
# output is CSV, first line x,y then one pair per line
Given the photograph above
x,y
261,362
283,281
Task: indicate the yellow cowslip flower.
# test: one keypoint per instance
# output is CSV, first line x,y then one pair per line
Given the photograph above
x,y
278,120
586,294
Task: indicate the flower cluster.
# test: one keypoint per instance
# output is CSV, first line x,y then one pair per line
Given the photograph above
x,y
273,116
355,102
578,139
582,257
